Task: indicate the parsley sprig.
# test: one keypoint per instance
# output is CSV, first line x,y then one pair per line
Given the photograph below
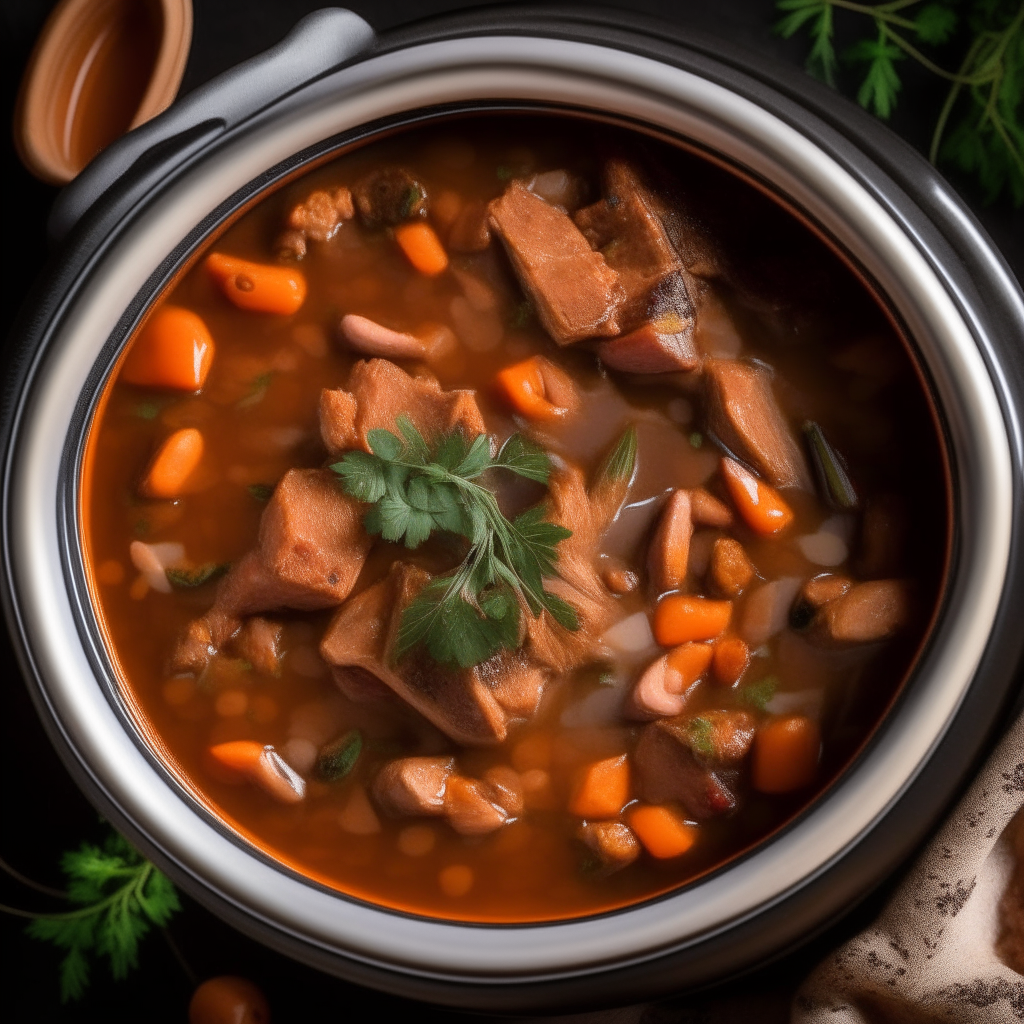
x,y
121,895
986,91
416,488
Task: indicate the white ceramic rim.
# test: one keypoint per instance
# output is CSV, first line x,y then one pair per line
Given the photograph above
x,y
610,82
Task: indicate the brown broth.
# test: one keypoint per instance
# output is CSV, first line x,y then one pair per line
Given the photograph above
x,y
258,415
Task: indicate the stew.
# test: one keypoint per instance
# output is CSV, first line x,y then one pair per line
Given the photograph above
x,y
514,518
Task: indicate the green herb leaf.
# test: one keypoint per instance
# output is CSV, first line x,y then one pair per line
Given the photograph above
x,y
699,732
415,488
881,83
261,492
339,758
757,695
620,463
120,895
523,457
934,23
821,61
833,479
187,579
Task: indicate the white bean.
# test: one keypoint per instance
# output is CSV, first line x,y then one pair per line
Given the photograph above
x,y
371,339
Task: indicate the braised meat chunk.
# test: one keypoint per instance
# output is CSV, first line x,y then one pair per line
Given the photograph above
x,y
576,293
388,197
744,415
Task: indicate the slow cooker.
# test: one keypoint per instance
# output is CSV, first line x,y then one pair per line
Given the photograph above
x,y
138,213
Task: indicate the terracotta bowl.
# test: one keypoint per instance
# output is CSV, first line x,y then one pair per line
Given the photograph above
x,y
99,69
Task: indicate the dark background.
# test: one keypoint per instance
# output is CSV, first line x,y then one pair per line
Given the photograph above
x,y
43,812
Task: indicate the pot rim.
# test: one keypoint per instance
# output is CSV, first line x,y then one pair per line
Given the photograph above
x,y
582,75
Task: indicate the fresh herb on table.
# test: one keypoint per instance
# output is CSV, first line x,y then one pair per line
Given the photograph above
x,y
980,128
120,897
466,616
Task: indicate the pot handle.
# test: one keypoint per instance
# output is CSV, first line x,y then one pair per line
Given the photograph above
x,y
319,43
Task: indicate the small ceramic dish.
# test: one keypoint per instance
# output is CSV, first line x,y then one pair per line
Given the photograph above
x,y
99,69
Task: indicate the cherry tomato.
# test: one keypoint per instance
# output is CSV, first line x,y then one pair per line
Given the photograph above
x,y
228,1000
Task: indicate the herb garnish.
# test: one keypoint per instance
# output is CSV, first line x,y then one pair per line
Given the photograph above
x,y
121,896
758,695
987,89
187,579
338,759
466,616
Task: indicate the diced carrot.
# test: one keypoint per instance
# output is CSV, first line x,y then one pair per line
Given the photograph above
x,y
173,350
730,660
422,247
760,505
258,286
687,663
662,831
175,461
679,619
786,753
240,756
603,789
538,389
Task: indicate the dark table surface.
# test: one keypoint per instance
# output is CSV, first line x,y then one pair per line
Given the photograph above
x,y
44,813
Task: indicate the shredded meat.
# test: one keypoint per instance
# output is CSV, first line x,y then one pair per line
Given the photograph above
x,y
317,218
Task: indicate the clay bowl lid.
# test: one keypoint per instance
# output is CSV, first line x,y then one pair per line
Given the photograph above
x,y
99,69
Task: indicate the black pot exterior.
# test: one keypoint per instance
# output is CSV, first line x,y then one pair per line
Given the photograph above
x,y
914,196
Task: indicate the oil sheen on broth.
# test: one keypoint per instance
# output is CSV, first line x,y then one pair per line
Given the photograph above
x,y
737,475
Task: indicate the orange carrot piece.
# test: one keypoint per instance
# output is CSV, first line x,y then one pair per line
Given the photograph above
x,y
240,756
678,619
173,350
730,660
662,831
760,505
603,789
786,753
258,286
422,247
538,389
175,461
687,664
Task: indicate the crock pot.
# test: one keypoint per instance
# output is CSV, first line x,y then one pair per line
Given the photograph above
x,y
138,213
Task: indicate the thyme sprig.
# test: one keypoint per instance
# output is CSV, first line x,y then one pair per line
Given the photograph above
x,y
987,88
415,488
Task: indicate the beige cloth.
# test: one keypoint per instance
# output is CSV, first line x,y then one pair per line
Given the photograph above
x,y
941,951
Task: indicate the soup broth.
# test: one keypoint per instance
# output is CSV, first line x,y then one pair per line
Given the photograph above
x,y
729,427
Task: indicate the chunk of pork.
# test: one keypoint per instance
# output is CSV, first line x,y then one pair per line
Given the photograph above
x,y
389,196
472,706
576,293
259,643
613,842
413,785
469,809
692,760
731,570
744,416
379,392
867,612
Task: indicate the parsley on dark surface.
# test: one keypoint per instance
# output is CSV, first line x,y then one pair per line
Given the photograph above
x,y
980,128
414,489
120,896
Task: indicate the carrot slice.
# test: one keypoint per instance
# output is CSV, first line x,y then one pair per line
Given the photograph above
x,y
241,756
175,461
258,286
760,505
662,831
173,350
603,789
687,664
786,753
730,660
422,247
679,619
538,389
